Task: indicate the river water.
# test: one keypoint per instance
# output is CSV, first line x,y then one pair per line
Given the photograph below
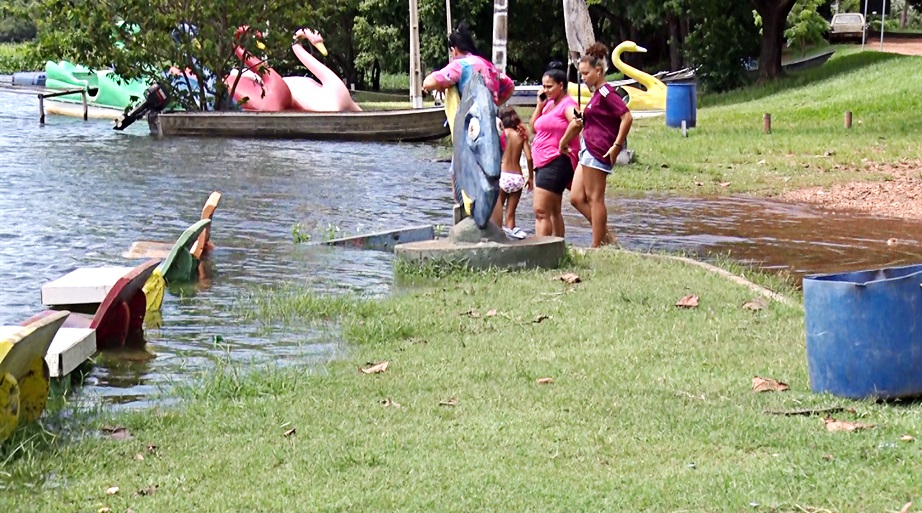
x,y
77,194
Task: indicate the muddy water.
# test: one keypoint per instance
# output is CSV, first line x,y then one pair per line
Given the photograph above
x,y
77,194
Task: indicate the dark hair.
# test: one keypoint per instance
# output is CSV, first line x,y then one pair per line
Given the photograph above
x,y
596,56
509,117
557,71
462,39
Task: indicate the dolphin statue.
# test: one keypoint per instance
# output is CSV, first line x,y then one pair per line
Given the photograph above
x,y
476,156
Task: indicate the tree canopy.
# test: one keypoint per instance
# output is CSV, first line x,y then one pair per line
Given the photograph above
x,y
366,38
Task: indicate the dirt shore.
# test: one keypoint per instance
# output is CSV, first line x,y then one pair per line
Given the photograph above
x,y
899,195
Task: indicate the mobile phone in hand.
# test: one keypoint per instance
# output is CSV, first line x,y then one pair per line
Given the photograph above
x,y
543,97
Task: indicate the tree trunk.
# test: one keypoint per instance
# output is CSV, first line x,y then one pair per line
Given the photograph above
x,y
376,75
904,16
675,56
774,15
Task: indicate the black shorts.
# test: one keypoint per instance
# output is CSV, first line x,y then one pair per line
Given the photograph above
x,y
556,175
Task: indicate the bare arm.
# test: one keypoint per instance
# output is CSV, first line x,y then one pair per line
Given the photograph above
x,y
431,84
575,126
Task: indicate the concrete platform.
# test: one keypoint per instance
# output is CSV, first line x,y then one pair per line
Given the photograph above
x,y
530,253
87,285
387,240
69,348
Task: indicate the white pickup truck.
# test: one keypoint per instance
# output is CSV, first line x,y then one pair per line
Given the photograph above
x,y
849,25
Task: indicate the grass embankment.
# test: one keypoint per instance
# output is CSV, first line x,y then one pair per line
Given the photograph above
x,y
650,409
808,144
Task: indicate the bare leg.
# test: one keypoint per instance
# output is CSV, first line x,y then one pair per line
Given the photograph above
x,y
578,197
594,183
546,205
557,218
513,203
497,216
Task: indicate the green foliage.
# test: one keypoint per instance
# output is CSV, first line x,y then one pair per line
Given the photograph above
x,y
15,30
805,24
19,57
140,39
719,44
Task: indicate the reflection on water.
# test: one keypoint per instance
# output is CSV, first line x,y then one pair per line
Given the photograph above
x,y
78,194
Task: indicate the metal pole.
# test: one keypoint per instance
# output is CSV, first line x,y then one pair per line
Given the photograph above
x,y
41,110
864,30
448,23
85,110
500,31
416,82
883,18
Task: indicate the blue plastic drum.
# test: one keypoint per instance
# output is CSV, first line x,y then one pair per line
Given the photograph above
x,y
681,104
864,333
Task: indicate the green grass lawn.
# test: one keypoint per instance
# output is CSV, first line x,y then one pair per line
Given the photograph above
x,y
808,144
650,409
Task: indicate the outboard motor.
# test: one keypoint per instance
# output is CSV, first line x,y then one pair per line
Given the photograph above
x,y
155,100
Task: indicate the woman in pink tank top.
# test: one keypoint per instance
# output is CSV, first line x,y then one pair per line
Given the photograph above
x,y
553,171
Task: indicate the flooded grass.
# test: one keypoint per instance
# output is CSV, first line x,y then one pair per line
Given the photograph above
x,y
650,408
808,144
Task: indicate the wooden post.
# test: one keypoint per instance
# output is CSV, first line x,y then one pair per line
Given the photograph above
x,y
848,119
500,31
416,80
85,110
767,123
41,110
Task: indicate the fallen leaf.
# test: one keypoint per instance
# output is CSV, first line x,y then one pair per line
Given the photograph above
x,y
139,457
376,368
450,402
891,242
541,318
906,438
905,508
491,313
290,432
545,381
828,457
841,425
689,301
756,304
724,184
471,313
147,491
104,509
699,184
390,404
570,278
117,432
762,162
151,447
768,385
112,490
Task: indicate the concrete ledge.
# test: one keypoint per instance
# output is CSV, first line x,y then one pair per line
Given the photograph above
x,y
531,253
386,241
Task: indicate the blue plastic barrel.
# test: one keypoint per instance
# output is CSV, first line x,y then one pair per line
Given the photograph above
x,y
864,333
681,104
29,78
